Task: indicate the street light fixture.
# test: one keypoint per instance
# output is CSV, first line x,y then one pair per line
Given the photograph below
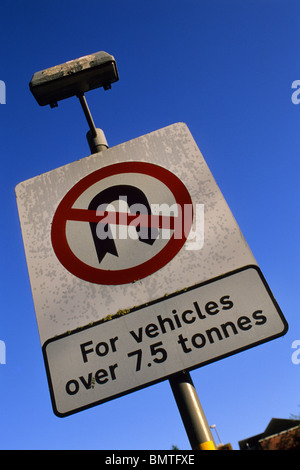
x,y
75,78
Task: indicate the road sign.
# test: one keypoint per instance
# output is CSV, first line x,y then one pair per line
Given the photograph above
x,y
141,228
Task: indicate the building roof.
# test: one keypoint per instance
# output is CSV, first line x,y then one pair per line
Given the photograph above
x,y
275,426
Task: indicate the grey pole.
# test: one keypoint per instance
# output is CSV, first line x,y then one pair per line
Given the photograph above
x,y
213,426
95,137
191,412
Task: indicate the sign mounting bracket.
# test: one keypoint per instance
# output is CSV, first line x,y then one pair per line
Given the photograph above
x,y
95,136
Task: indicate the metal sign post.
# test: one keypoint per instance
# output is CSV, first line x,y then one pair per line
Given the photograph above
x,y
191,412
181,383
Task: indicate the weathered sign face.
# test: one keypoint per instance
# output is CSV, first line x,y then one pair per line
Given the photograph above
x,y
142,229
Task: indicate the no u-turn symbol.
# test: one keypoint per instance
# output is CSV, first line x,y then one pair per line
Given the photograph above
x,y
136,201
110,229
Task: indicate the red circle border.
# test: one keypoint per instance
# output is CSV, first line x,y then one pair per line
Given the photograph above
x,y
124,276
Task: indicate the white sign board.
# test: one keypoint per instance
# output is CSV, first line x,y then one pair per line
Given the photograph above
x,y
188,329
137,227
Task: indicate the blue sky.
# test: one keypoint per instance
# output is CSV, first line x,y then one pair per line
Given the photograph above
x,y
225,68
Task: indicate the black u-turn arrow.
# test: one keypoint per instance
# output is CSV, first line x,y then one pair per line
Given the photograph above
x,y
133,196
